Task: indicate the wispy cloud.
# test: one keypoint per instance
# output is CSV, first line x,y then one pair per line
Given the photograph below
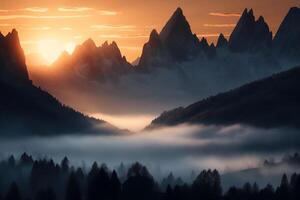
x,y
223,14
29,9
6,17
35,9
219,25
66,28
6,25
111,27
116,36
42,28
108,12
74,9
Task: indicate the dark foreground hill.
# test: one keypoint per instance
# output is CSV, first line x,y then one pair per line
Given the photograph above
x,y
267,103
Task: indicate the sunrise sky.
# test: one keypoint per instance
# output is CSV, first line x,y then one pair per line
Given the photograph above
x,y
47,27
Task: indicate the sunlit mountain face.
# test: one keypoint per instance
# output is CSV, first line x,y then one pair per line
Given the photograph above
x,y
155,100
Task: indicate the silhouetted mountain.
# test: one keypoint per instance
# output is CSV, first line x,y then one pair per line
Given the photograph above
x,y
178,38
222,42
175,43
270,102
94,63
153,51
250,35
26,109
12,59
287,40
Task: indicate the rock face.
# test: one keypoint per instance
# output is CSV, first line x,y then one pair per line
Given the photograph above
x,y
95,63
222,42
268,103
12,59
175,43
178,37
153,51
287,39
26,109
250,35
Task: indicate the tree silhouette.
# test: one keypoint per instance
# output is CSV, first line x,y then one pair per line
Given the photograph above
x,y
115,186
73,191
45,194
13,192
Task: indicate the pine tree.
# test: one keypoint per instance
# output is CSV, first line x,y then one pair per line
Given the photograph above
x,y
13,192
73,190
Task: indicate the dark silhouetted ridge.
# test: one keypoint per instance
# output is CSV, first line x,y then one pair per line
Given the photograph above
x,y
268,103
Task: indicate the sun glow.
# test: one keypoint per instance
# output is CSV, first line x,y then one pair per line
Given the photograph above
x,y
50,49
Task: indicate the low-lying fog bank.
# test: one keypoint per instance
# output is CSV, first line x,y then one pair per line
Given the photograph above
x,y
181,149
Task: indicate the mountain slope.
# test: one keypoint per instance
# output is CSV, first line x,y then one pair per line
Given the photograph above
x,y
26,109
270,102
287,40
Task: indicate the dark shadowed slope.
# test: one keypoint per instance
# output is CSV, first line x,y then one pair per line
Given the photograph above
x,y
270,102
26,109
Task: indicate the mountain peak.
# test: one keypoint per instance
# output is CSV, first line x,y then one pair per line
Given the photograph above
x,y
250,35
178,38
287,40
12,59
89,43
178,11
222,41
154,35
176,21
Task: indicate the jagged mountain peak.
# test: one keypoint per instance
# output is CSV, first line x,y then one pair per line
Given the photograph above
x,y
89,43
154,35
287,40
222,41
249,34
176,22
12,59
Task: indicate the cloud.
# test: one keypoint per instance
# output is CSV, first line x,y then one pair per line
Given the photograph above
x,y
74,9
7,17
116,36
42,28
219,25
6,25
108,12
28,9
111,27
66,28
221,14
35,9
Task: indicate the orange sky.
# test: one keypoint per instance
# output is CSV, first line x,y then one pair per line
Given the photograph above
x,y
50,26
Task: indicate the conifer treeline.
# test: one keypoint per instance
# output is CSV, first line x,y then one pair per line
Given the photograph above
x,y
29,179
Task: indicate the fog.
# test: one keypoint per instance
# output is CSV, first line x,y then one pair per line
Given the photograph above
x,y
179,149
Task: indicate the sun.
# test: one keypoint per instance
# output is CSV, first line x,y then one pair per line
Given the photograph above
x,y
51,49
